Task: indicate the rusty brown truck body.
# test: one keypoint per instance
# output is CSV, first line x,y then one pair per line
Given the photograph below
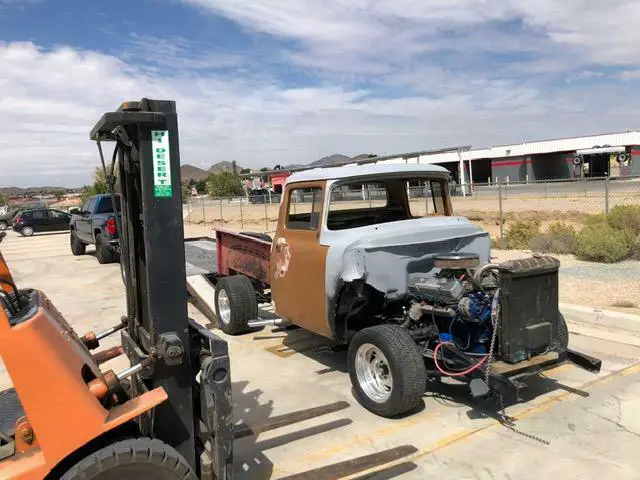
x,y
399,278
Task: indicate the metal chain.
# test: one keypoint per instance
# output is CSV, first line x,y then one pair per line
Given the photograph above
x,y
504,419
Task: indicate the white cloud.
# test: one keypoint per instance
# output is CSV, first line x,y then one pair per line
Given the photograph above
x,y
372,34
50,98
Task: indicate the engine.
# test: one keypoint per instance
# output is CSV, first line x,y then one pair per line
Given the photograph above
x,y
454,305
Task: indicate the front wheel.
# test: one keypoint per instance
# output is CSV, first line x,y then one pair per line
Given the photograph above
x,y
3,225
27,231
386,369
139,458
77,247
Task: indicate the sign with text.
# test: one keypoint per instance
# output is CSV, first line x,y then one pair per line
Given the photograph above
x,y
161,163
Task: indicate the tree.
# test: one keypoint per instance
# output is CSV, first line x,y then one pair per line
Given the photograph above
x,y
100,185
201,186
185,191
3,199
224,184
245,170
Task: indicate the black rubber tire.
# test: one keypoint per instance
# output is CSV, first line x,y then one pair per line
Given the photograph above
x,y
104,253
3,225
136,458
259,236
27,231
77,247
243,303
406,365
563,332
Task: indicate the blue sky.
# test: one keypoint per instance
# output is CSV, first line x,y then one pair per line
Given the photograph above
x,y
264,82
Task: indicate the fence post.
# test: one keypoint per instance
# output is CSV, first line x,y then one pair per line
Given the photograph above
x,y
241,217
501,220
426,198
266,216
585,186
369,195
606,196
546,189
203,217
221,216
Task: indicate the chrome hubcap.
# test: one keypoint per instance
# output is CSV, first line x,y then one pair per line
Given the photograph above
x,y
27,230
373,372
224,307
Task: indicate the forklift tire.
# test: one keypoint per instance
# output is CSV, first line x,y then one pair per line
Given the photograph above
x,y
235,303
139,458
104,253
387,371
77,247
563,332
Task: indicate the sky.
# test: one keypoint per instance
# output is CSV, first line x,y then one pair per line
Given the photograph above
x,y
266,82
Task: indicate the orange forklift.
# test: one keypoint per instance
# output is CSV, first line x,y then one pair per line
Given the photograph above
x,y
167,416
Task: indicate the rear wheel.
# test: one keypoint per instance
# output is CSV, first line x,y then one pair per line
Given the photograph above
x,y
104,252
140,458
27,231
3,225
235,303
386,369
77,247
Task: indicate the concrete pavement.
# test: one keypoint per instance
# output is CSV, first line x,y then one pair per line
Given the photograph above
x,y
591,421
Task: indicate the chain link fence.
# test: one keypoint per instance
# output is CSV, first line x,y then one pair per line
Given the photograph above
x,y
494,206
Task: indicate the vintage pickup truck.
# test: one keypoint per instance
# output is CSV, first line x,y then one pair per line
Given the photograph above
x,y
404,282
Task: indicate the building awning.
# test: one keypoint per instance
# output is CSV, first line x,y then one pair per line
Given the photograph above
x,y
591,151
279,178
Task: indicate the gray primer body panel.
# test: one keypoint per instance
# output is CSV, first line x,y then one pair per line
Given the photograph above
x,y
386,255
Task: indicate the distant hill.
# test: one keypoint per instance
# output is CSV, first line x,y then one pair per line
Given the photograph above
x,y
189,172
17,191
224,166
335,159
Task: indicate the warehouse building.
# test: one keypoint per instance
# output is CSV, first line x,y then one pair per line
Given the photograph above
x,y
613,155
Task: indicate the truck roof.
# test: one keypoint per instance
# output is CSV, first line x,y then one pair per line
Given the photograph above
x,y
369,170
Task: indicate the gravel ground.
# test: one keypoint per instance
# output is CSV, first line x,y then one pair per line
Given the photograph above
x,y
607,286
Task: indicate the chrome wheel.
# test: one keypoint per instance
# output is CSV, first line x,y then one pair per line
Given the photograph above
x,y
373,373
27,231
3,225
224,307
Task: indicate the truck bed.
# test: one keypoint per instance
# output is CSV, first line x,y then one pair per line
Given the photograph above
x,y
207,259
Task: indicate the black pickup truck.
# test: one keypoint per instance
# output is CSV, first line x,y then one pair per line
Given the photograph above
x,y
95,224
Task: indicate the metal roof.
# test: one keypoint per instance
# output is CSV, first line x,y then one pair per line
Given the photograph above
x,y
529,148
368,170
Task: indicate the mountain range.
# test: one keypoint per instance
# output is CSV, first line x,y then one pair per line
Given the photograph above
x,y
189,172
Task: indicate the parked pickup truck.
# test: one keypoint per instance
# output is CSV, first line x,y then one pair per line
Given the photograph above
x,y
405,283
95,224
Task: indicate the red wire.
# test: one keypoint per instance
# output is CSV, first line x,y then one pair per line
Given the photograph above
x,y
456,374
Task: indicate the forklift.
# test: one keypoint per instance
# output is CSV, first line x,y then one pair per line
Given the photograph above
x,y
169,414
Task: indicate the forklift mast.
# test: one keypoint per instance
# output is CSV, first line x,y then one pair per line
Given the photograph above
x,y
165,346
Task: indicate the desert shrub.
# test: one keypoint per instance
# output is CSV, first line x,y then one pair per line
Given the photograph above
x,y
602,243
625,217
634,250
559,238
593,220
518,236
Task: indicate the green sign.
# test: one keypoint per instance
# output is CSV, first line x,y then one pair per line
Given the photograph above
x,y
161,163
